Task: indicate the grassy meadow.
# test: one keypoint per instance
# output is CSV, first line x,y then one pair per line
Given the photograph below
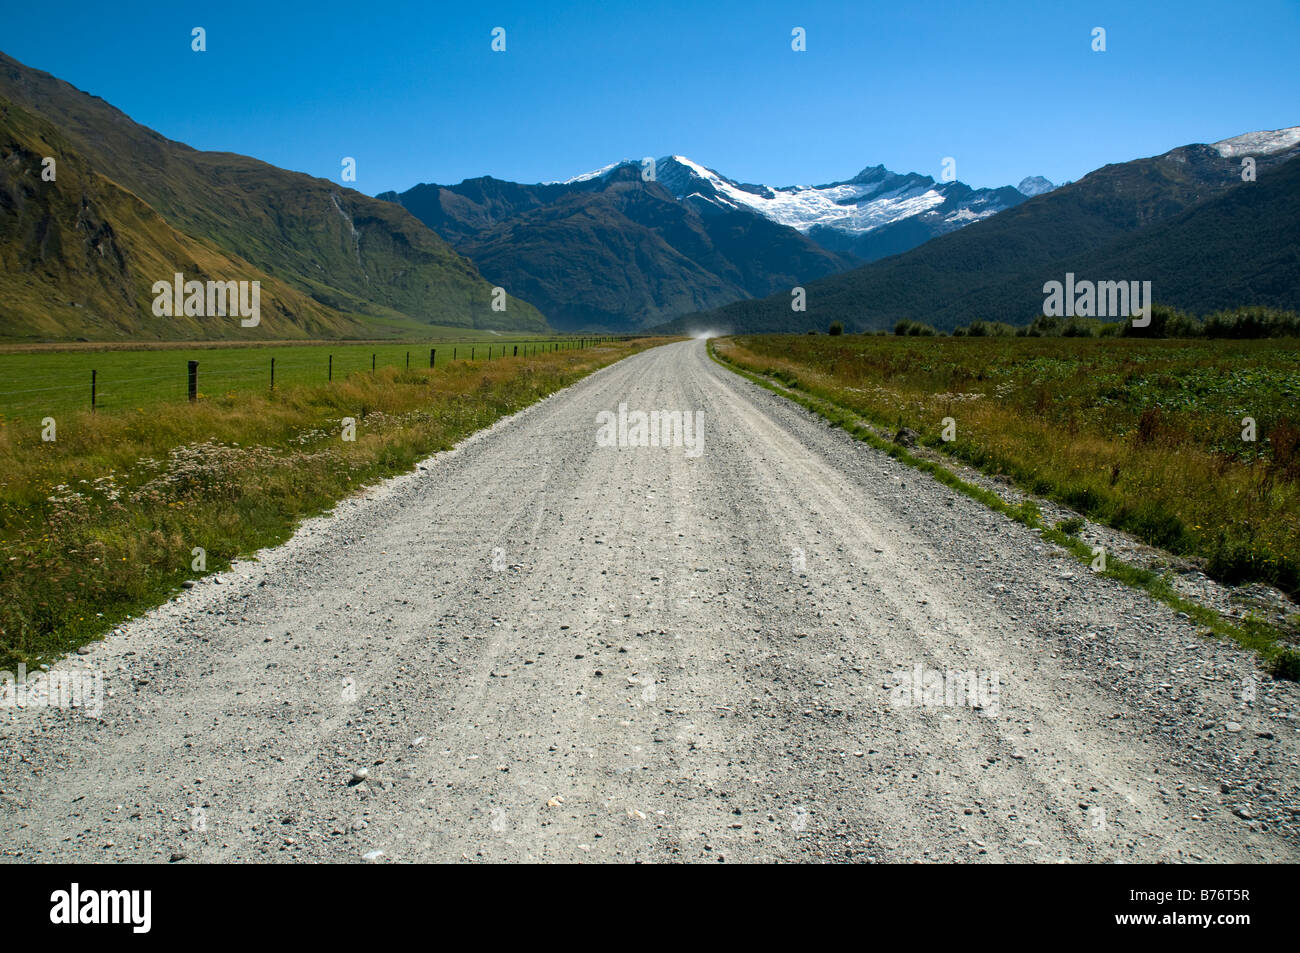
x,y
1142,435
100,523
42,381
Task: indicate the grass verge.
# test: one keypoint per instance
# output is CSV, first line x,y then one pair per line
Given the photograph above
x,y
106,520
1190,446
1278,659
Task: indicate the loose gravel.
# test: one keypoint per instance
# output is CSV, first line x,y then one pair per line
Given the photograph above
x,y
535,648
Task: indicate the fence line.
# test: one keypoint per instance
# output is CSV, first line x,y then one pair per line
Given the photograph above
x,y
104,390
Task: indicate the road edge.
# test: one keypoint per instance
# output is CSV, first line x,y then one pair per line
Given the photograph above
x,y
1260,637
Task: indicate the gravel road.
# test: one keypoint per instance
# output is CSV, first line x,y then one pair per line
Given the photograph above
x,y
536,648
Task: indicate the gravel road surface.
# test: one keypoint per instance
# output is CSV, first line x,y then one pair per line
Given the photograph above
x,y
537,648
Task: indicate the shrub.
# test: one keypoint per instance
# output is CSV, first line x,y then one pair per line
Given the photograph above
x,y
913,329
1045,325
1252,323
1166,322
1071,526
1286,665
990,329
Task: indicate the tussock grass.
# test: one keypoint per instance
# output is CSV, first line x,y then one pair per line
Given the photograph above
x,y
1015,437
1144,436
101,523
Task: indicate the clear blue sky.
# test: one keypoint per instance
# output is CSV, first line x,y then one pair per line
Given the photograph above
x,y
414,93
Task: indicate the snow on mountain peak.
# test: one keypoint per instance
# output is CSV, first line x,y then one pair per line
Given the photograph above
x,y
1261,143
595,173
587,176
1034,185
854,207
871,200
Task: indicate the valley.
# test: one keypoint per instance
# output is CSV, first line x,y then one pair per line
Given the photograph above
x,y
490,659
378,486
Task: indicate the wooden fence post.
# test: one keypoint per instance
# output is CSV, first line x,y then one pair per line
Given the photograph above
x,y
194,380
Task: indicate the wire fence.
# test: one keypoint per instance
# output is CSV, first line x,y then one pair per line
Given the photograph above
x,y
113,380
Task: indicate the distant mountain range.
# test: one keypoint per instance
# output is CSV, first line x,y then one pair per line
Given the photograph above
x,y
1184,220
615,251
128,207
672,245
628,245
874,214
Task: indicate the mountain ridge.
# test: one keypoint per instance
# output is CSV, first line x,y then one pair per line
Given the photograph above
x,y
994,269
727,241
360,266
613,250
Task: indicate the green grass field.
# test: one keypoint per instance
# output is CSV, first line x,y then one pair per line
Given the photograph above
x,y
35,383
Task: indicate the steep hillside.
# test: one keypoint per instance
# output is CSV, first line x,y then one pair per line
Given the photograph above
x,y
376,267
615,251
80,254
995,269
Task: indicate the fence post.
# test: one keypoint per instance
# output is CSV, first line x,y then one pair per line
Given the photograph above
x,y
92,391
453,354
432,353
516,350
194,380
372,365
408,360
272,373
331,371
471,354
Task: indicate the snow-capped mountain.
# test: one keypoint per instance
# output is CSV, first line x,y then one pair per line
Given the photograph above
x,y
675,235
595,174
1186,217
613,249
1034,185
1263,143
874,214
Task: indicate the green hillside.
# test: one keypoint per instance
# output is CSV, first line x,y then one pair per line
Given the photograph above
x,y
1184,220
333,261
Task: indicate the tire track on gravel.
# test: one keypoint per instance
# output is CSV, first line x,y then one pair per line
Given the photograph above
x,y
647,676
